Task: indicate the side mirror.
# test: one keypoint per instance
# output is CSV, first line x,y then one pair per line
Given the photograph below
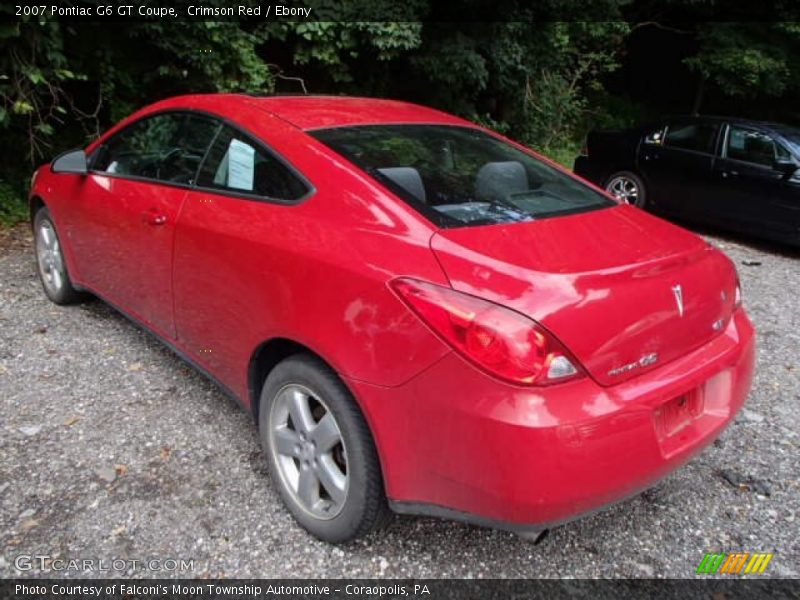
x,y
73,162
787,166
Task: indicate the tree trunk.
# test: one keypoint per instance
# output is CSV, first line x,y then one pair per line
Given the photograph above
x,y
699,93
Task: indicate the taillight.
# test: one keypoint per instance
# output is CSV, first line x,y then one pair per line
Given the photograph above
x,y
499,340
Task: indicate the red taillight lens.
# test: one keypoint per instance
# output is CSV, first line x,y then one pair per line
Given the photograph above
x,y
505,343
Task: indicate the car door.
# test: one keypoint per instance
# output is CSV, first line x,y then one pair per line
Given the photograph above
x,y
756,195
786,202
678,170
127,211
233,250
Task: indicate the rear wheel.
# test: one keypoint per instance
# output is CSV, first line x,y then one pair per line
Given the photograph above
x,y
628,188
50,261
320,451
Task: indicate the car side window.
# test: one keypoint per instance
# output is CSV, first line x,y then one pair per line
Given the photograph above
x,y
753,146
698,137
190,145
236,163
166,147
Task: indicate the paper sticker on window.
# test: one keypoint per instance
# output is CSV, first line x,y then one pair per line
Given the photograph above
x,y
737,139
241,164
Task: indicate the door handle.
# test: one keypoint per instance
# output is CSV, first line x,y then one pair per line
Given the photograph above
x,y
730,173
154,218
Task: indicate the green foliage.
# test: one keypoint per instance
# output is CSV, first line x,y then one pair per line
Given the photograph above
x,y
336,45
563,152
541,81
456,64
219,55
486,120
748,59
13,208
33,74
556,93
530,79
615,112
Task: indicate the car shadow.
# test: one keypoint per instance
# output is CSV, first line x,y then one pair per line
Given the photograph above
x,y
742,239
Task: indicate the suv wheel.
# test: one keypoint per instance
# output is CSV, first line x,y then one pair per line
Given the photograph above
x,y
628,188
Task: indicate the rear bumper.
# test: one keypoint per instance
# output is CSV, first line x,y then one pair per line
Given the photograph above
x,y
454,442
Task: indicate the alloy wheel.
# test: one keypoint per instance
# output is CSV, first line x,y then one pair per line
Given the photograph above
x,y
624,189
307,445
48,253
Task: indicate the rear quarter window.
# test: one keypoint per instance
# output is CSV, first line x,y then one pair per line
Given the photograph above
x,y
238,164
698,137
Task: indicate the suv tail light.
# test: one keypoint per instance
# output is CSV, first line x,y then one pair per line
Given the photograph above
x,y
500,341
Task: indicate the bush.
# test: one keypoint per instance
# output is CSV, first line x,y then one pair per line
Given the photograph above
x,y
563,153
13,208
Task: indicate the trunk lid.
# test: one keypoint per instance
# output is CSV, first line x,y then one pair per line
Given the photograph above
x,y
605,283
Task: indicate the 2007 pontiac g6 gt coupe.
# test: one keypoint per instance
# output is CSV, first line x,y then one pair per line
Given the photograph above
x,y
420,314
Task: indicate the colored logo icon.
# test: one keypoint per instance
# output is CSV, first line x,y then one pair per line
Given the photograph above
x,y
734,563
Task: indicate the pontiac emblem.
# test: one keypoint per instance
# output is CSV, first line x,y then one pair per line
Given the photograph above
x,y
677,290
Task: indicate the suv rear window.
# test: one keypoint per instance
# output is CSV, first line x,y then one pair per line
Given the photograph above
x,y
458,176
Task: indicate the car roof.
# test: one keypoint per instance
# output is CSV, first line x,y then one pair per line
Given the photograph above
x,y
316,112
304,112
769,125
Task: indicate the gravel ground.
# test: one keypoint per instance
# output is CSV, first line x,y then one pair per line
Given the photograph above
x,y
112,447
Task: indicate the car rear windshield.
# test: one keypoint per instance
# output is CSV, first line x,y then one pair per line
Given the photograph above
x,y
459,176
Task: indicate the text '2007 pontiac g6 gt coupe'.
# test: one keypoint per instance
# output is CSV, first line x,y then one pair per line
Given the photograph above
x,y
421,315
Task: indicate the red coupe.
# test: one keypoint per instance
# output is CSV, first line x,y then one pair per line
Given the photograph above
x,y
420,314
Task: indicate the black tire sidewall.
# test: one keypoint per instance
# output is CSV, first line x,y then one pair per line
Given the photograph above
x,y
365,496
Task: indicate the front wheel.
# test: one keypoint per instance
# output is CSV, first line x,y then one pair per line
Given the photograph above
x,y
320,451
628,188
50,260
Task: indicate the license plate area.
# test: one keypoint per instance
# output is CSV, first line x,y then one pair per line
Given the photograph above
x,y
677,414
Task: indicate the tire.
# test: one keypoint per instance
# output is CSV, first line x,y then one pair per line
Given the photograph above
x,y
51,266
306,463
627,187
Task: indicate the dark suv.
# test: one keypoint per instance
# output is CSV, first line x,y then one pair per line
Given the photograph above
x,y
734,173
